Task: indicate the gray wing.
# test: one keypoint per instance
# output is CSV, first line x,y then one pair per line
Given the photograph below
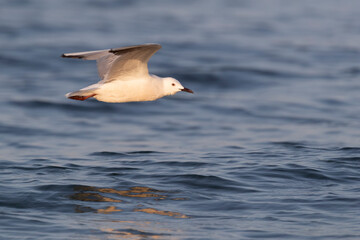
x,y
103,58
117,63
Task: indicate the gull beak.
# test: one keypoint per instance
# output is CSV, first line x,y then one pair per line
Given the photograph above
x,y
187,90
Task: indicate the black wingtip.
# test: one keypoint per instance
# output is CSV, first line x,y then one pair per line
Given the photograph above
x,y
124,50
67,56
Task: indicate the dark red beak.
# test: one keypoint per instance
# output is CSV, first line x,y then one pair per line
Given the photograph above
x,y
187,90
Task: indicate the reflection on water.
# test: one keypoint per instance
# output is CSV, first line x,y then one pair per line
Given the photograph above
x,y
83,209
126,229
109,209
140,192
164,213
133,234
92,197
92,194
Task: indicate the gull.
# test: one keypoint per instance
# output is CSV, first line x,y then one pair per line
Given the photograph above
x,y
124,76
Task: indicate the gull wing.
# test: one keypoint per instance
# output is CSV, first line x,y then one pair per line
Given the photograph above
x,y
131,61
103,58
117,63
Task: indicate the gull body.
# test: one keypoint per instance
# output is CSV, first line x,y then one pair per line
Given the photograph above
x,y
125,77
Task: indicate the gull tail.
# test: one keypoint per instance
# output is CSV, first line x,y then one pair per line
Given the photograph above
x,y
81,95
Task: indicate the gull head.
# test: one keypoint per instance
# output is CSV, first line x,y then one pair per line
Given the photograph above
x,y
172,86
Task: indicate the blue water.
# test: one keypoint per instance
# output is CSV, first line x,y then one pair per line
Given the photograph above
x,y
268,147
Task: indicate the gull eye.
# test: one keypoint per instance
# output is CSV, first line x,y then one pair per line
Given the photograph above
x,y
173,84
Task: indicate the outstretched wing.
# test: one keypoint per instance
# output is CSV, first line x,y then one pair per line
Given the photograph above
x,y
116,63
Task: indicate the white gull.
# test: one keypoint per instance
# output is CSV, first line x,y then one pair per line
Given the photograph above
x,y
124,76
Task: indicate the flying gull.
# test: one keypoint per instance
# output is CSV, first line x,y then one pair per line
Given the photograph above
x,y
124,76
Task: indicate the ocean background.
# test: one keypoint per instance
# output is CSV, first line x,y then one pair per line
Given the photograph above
x,y
268,147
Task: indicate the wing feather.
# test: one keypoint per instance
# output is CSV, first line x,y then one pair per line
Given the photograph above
x,y
90,55
120,63
131,62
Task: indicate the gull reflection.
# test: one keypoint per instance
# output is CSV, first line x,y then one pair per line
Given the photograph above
x,y
136,198
108,210
134,234
138,192
159,212
92,197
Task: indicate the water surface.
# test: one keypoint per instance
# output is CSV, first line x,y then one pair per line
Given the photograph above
x,y
267,148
